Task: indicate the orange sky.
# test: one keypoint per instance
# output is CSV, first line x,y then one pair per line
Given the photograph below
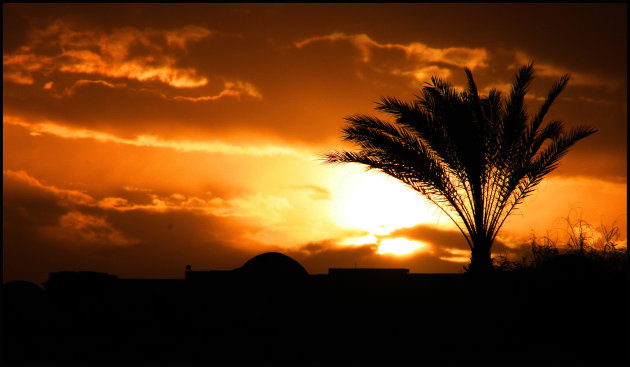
x,y
141,138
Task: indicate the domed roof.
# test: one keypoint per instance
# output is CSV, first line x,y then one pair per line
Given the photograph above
x,y
22,288
274,264
20,293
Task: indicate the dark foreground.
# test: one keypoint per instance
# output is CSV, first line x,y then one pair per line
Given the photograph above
x,y
360,316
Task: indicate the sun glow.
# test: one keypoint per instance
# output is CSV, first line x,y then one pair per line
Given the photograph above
x,y
378,204
399,246
364,240
457,256
375,202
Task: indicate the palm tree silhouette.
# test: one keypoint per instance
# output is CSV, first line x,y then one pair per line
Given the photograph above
x,y
474,158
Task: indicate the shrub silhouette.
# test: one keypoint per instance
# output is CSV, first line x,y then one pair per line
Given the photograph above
x,y
580,256
476,158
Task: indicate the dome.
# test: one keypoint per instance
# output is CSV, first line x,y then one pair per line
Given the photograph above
x,y
22,291
274,264
22,307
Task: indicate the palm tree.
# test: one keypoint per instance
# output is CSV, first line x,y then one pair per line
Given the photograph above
x,y
476,158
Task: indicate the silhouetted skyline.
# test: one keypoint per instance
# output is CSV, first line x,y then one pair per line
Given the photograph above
x,y
271,310
138,138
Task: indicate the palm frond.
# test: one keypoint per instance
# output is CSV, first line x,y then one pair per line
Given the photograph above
x,y
556,89
547,160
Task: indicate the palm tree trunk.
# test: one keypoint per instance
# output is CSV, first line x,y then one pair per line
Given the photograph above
x,y
481,260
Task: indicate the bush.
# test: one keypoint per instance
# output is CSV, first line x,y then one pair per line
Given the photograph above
x,y
597,244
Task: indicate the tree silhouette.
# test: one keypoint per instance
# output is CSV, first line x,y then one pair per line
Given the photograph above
x,y
474,158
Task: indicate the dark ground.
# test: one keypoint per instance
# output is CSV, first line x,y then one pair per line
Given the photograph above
x,y
546,316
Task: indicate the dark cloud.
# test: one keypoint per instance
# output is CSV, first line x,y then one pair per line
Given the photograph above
x,y
45,231
318,257
167,243
172,240
28,205
441,239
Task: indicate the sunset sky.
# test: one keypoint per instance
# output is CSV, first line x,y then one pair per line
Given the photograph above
x,y
138,139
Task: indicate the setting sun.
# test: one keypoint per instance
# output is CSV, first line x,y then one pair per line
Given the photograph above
x,y
375,202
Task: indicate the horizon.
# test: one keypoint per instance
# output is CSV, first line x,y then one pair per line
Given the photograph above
x,y
141,138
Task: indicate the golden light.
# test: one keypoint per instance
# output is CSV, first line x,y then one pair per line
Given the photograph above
x,y
364,240
375,202
457,256
399,246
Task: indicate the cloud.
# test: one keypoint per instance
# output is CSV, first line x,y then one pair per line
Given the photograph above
x,y
317,192
68,196
553,71
181,37
55,212
41,236
234,89
318,257
123,53
84,82
443,240
47,228
230,89
590,100
265,210
472,58
425,73
18,77
127,52
220,147
268,216
90,229
454,56
18,68
505,89
456,255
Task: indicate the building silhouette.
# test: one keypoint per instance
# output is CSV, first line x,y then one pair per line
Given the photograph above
x,y
271,310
